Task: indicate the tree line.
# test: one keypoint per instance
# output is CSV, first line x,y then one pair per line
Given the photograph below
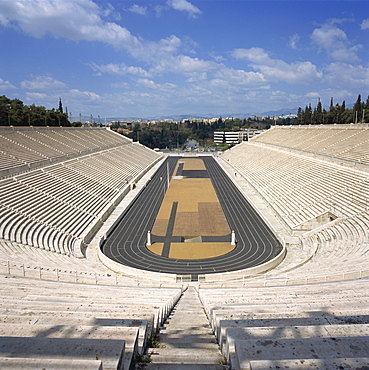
x,y
173,135
13,112
337,113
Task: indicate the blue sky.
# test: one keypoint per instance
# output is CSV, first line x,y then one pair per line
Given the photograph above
x,y
153,58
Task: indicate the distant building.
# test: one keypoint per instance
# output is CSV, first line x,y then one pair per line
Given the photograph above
x,y
234,137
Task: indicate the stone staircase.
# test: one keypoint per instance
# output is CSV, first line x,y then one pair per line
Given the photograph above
x,y
186,340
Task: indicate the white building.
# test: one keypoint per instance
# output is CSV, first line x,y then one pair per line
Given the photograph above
x,y
234,137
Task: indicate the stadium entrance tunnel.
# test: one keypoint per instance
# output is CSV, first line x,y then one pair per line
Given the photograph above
x,y
320,220
190,221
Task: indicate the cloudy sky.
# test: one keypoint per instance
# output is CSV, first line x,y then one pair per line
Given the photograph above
x,y
153,58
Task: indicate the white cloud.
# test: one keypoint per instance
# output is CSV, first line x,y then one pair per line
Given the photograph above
x,y
365,24
86,96
159,9
335,42
186,6
294,40
141,10
254,55
183,64
328,36
120,85
216,57
223,88
75,20
32,96
109,11
241,77
196,77
312,95
43,83
155,51
168,45
6,85
146,83
187,64
282,97
298,73
341,75
83,20
57,17
120,69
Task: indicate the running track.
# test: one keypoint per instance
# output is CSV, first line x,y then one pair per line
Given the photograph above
x,y
256,244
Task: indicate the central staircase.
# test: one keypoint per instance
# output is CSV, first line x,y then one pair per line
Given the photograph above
x,y
186,340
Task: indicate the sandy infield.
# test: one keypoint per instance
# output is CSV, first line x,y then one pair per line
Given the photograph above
x,y
199,213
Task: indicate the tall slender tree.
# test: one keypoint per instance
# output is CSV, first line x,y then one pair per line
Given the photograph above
x,y
357,109
60,106
318,113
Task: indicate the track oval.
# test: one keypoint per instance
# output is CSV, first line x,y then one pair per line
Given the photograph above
x,y
256,244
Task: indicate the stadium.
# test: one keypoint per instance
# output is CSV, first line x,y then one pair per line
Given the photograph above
x,y
114,256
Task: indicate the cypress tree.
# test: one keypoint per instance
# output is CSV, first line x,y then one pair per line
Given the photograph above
x,y
60,106
357,109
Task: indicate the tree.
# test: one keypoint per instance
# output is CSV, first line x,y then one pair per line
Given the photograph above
x,y
318,114
357,110
330,116
337,114
308,115
366,110
13,112
300,116
17,117
60,106
5,105
136,132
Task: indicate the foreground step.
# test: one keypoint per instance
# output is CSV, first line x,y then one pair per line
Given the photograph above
x,y
287,319
129,335
194,366
297,348
109,352
303,364
289,332
73,321
15,363
186,355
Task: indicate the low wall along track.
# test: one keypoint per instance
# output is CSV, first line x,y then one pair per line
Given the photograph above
x,y
191,206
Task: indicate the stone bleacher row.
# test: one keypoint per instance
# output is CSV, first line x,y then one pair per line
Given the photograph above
x,y
320,326
55,207
22,260
340,247
45,323
315,313
336,253
348,142
301,188
36,263
26,147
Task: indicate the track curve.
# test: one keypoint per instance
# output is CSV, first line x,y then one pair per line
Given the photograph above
x,y
256,244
